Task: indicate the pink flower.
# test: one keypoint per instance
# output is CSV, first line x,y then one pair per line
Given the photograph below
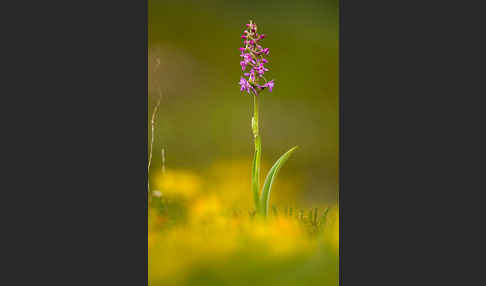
x,y
270,85
250,75
244,85
261,69
243,65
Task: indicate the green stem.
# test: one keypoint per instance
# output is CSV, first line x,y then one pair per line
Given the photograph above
x,y
257,156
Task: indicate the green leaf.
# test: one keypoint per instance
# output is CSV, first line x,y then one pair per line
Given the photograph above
x,y
255,177
267,186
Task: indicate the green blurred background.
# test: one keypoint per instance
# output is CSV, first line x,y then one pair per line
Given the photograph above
x,y
204,119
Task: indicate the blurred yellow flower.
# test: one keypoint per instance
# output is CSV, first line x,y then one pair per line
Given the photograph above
x,y
280,236
206,210
178,183
231,182
217,228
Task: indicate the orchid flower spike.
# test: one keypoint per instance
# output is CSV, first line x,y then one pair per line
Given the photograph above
x,y
253,57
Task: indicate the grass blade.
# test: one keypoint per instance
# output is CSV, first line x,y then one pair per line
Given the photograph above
x,y
267,186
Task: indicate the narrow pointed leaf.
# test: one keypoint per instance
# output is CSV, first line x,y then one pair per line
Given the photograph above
x,y
254,181
255,173
267,186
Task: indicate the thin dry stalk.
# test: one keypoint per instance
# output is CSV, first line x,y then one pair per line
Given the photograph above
x,y
152,123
